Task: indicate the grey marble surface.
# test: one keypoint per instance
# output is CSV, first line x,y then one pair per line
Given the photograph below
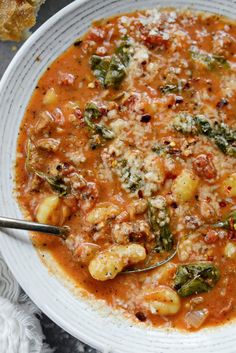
x,y
54,335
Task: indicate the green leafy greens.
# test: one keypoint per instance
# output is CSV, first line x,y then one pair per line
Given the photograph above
x,y
163,150
129,177
159,221
56,183
212,61
195,278
92,112
223,136
111,70
169,89
228,223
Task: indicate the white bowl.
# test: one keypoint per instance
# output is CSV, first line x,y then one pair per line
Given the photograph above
x,y
81,318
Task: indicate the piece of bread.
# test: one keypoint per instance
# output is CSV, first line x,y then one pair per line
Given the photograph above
x,y
17,17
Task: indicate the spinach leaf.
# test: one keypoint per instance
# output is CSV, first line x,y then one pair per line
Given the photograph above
x,y
185,123
100,66
123,51
203,125
223,136
163,150
111,70
228,223
56,183
159,222
196,278
169,89
212,62
92,112
221,142
115,73
130,177
102,130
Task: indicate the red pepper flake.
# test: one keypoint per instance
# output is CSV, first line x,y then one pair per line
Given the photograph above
x,y
140,194
232,235
103,111
222,204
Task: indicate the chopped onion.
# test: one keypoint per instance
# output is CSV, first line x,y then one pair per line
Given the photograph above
x,y
195,319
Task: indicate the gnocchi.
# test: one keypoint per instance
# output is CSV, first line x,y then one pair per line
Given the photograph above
x,y
102,212
163,301
52,210
127,231
108,263
185,186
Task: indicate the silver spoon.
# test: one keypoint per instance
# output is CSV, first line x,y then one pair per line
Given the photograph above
x,y
61,232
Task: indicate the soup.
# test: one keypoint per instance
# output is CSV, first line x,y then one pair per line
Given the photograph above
x,y
130,140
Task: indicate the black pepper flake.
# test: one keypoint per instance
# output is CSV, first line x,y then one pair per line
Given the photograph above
x,y
174,205
222,103
187,85
78,43
59,167
179,99
145,118
140,316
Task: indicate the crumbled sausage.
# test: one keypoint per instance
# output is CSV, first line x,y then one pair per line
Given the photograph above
x,y
204,167
65,79
48,144
125,232
44,122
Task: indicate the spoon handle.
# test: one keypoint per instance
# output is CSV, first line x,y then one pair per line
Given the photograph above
x,y
61,232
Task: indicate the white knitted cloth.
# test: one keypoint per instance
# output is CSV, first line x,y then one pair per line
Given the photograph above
x,y
20,330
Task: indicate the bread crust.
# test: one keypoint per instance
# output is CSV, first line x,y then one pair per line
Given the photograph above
x,y
16,17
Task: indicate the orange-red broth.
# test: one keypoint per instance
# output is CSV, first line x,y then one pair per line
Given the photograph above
x,y
122,291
